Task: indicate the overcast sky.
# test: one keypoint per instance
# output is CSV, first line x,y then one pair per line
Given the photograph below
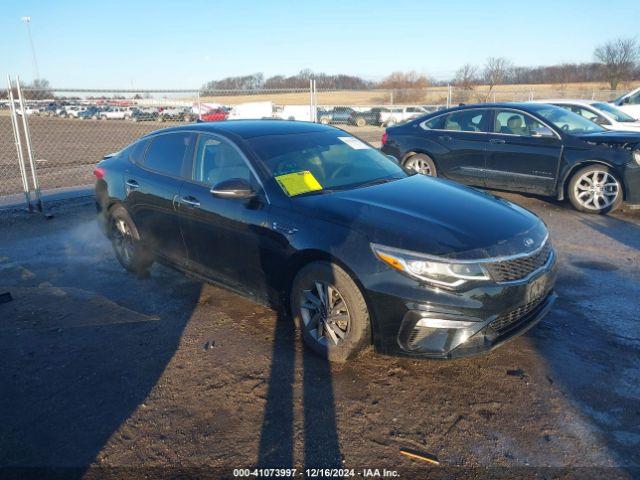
x,y
183,44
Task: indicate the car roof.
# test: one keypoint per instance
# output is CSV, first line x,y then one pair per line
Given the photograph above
x,y
521,105
568,101
254,128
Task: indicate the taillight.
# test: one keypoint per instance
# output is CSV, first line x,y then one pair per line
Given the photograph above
x,y
98,173
384,138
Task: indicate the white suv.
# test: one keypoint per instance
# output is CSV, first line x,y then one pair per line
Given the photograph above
x,y
602,113
72,111
116,113
629,103
392,115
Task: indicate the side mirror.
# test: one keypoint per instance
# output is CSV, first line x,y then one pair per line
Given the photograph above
x,y
601,121
233,188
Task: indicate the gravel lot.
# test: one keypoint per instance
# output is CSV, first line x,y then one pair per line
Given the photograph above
x,y
101,369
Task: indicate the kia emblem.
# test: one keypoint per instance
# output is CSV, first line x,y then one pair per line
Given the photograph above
x,y
528,242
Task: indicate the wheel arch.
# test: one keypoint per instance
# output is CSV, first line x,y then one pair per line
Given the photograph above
x,y
417,151
304,257
564,185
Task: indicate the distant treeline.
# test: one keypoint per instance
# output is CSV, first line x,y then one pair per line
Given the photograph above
x,y
553,74
565,73
257,81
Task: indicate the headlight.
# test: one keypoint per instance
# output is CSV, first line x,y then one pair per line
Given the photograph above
x,y
427,268
636,156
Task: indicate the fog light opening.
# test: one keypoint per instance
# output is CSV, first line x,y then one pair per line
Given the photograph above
x,y
443,323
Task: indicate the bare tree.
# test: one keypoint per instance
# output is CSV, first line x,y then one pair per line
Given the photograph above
x,y
466,77
38,90
618,58
406,86
496,71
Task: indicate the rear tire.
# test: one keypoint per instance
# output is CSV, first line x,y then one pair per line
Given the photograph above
x,y
361,122
595,189
421,163
126,242
337,326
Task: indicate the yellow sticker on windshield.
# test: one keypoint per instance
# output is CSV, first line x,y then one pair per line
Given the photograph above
x,y
299,182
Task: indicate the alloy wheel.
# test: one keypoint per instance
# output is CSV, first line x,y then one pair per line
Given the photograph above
x,y
123,240
419,165
325,314
596,190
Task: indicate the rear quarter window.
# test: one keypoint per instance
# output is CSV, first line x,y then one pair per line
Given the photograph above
x,y
166,152
137,150
436,123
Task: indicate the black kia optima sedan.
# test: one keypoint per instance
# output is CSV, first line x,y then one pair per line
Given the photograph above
x,y
307,217
523,147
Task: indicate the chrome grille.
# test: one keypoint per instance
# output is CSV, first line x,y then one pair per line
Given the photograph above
x,y
518,268
506,320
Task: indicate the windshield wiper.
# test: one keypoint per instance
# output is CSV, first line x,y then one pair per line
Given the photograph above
x,y
377,181
317,192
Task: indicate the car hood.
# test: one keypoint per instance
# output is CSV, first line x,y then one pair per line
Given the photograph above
x,y
611,137
432,216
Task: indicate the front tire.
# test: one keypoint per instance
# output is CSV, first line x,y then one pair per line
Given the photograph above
x,y
329,309
595,189
421,163
361,122
126,242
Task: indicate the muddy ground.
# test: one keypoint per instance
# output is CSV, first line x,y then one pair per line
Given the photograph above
x,y
111,375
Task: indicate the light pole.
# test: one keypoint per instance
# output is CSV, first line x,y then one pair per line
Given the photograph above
x,y
36,73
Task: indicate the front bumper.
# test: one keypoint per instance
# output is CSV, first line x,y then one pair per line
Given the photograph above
x,y
420,321
631,179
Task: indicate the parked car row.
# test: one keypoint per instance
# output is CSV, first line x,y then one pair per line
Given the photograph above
x,y
335,115
377,116
112,112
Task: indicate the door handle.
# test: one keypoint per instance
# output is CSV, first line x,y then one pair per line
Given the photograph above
x,y
132,184
191,201
497,140
444,138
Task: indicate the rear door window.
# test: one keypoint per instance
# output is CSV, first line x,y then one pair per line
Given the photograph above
x,y
465,121
168,151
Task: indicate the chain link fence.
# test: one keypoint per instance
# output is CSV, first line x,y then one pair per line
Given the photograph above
x,y
10,179
72,129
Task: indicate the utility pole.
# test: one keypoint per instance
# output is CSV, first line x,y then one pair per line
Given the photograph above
x,y
27,22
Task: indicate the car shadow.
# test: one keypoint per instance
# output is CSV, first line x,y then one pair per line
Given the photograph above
x,y
80,352
277,438
277,447
622,231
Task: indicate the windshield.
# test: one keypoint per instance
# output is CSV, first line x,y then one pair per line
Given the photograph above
x,y
336,160
617,114
567,121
